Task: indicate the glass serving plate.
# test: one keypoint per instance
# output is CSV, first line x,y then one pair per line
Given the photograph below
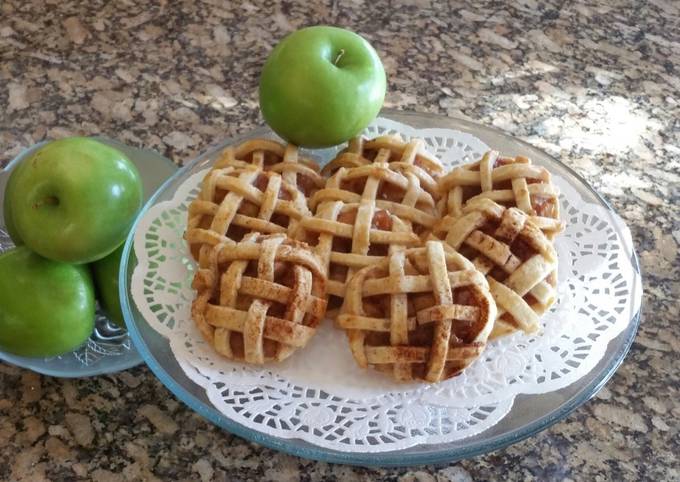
x,y
109,349
530,413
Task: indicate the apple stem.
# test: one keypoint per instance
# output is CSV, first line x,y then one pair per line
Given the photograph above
x,y
337,59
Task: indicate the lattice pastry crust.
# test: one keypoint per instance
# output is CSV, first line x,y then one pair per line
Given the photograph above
x,y
519,260
361,151
235,201
259,300
270,155
512,182
363,214
400,193
423,313
411,159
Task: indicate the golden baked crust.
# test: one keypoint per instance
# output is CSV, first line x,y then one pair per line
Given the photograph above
x,y
410,155
259,300
511,182
429,266
270,155
363,214
519,260
422,313
410,159
235,201
400,194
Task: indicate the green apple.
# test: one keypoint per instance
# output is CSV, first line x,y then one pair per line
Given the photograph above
x,y
105,273
321,86
46,307
74,200
6,212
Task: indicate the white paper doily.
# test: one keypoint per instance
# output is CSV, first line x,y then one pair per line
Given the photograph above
x,y
321,396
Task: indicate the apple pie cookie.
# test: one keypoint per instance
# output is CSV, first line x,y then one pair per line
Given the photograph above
x,y
392,149
363,214
519,260
511,182
347,237
270,155
410,159
259,300
235,201
402,194
423,313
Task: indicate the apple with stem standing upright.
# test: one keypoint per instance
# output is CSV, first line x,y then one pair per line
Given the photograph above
x,y
321,86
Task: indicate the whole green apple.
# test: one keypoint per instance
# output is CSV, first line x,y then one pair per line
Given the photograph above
x,y
321,86
105,273
46,307
74,200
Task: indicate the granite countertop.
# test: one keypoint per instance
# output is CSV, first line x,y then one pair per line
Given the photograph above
x,y
594,83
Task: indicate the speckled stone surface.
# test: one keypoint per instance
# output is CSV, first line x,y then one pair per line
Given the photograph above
x,y
594,83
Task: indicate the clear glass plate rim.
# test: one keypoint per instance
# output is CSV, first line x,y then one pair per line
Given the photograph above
x,y
382,459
